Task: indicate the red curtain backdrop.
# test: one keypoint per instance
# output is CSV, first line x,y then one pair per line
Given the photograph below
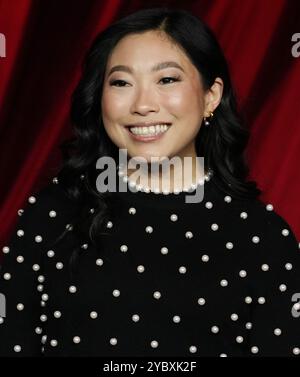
x,y
45,44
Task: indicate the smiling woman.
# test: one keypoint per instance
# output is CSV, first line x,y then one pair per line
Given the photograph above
x,y
142,272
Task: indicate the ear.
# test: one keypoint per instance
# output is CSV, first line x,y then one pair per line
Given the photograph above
x,y
213,96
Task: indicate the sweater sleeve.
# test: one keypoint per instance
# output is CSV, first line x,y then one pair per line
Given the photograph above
x,y
275,327
22,278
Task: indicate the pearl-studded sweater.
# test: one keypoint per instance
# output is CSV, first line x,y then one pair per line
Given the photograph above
x,y
216,278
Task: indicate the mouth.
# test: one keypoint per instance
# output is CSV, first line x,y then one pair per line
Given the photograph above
x,y
148,132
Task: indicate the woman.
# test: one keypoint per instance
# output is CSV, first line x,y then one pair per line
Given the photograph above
x,y
142,272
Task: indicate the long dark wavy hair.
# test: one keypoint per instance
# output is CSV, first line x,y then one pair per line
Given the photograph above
x,y
222,144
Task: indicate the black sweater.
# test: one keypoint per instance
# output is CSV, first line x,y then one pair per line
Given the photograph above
x,y
214,278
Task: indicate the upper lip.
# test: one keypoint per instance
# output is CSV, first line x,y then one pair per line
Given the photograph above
x,y
146,124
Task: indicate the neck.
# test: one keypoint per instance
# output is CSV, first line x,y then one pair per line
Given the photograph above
x,y
178,175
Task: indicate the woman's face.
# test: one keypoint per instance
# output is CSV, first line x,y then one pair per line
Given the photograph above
x,y
138,94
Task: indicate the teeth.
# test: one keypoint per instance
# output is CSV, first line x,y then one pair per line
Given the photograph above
x,y
151,130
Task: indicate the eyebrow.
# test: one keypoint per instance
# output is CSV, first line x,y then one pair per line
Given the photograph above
x,y
155,68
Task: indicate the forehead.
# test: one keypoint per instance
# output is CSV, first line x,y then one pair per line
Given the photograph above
x,y
142,51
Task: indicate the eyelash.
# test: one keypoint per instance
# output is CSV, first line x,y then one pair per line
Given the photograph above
x,y
175,79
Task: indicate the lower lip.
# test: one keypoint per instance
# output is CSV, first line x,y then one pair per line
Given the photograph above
x,y
147,138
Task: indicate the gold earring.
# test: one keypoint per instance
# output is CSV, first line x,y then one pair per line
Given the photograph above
x,y
207,122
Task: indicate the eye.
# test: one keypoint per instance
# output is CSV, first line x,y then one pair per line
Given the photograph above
x,y
171,78
114,82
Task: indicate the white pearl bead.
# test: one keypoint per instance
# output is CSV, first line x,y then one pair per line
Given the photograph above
x,y
38,330
20,233
188,234
45,297
20,212
255,239
176,319
35,267
52,214
282,287
261,300
5,249
76,339
234,317
277,332
265,267
7,276
135,317
1,320
41,278
59,265
20,259
156,294
20,307
182,270
55,180
154,344
109,224
229,245
84,246
17,348
113,341
205,258
239,339
99,262
149,229
288,266
285,232
43,318
214,227
44,339
116,293
132,211
227,199
223,355
224,283
201,301
140,268
50,253
32,199
164,250
40,287
72,289
173,217
57,314
269,207
296,351
244,215
243,273
208,205
124,248
53,342
215,329
248,325
93,315
254,349
193,349
38,239
248,300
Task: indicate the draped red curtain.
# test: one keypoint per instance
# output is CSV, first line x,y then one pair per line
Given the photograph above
x,y
45,42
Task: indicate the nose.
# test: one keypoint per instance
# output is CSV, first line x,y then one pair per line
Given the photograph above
x,y
144,102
